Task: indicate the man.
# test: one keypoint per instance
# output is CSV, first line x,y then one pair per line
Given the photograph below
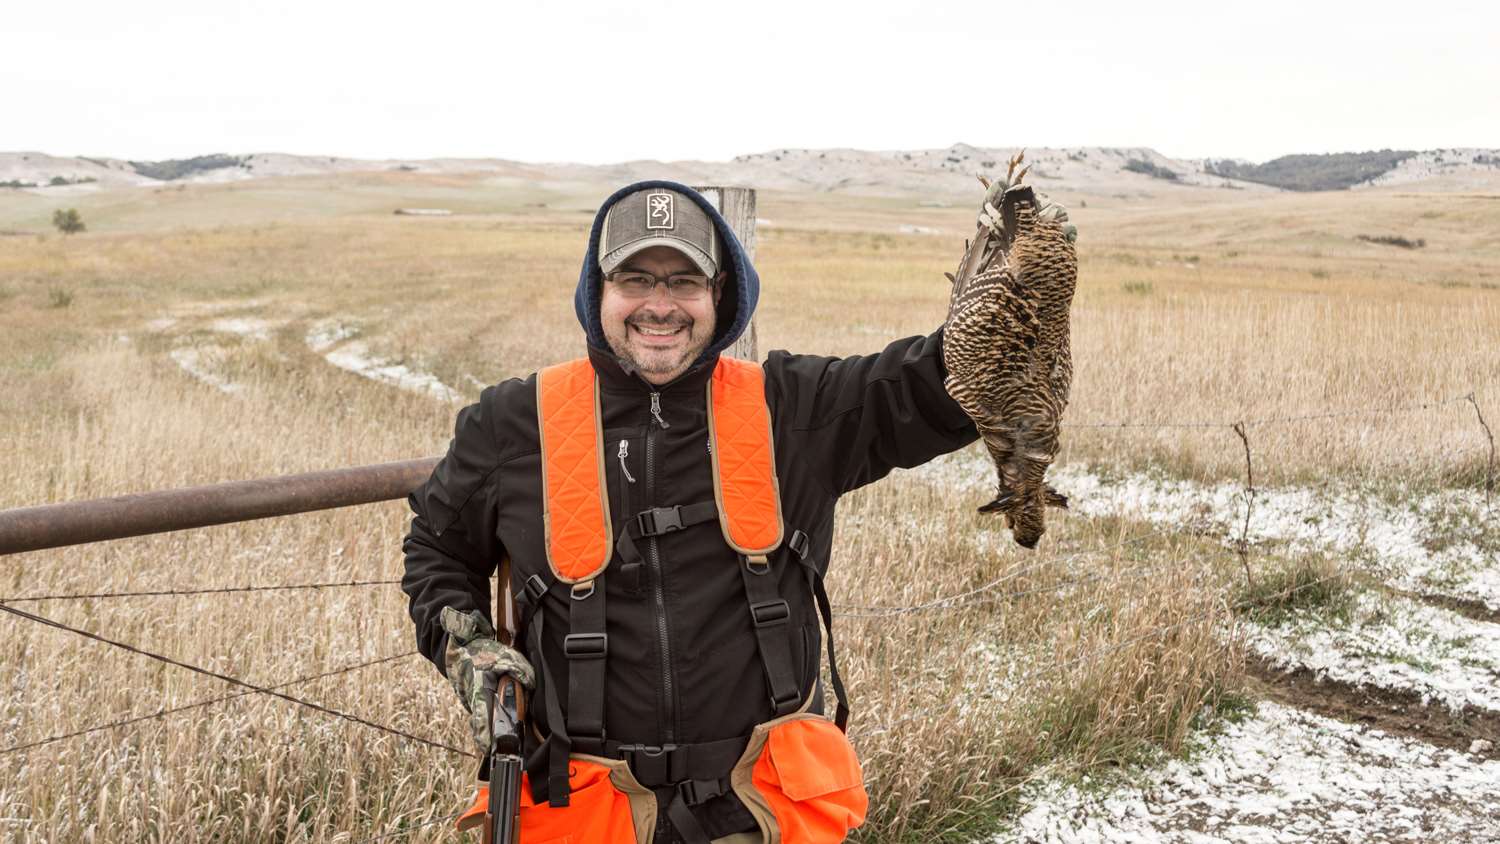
x,y
657,691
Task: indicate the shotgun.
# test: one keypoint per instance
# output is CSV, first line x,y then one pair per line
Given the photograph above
x,y
505,760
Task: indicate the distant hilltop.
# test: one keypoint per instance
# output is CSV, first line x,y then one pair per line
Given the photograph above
x,y
931,172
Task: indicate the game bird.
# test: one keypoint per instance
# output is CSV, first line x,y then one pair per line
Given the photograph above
x,y
1005,344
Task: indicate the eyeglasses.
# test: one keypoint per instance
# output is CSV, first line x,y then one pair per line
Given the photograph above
x,y
633,284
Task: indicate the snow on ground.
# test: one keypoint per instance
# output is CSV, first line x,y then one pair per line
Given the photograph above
x,y
198,363
1436,543
1283,775
1395,643
331,339
250,328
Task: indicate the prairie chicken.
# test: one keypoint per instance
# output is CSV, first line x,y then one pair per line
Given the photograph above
x,y
1005,344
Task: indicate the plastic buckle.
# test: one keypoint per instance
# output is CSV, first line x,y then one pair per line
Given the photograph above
x,y
534,588
770,613
649,763
649,750
798,543
585,645
659,520
782,706
696,792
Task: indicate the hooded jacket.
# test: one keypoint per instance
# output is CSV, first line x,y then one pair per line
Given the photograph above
x,y
682,662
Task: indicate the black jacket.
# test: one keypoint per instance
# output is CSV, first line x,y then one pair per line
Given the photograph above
x,y
837,424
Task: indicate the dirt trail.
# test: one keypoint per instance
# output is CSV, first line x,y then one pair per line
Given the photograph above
x,y
1396,712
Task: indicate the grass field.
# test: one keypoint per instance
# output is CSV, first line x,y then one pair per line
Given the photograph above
x,y
184,339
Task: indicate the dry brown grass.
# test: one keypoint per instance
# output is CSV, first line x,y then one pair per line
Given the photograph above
x,y
1193,311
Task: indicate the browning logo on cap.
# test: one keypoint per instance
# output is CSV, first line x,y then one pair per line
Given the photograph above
x,y
649,217
659,211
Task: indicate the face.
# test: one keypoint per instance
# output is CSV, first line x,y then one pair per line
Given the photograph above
x,y
659,336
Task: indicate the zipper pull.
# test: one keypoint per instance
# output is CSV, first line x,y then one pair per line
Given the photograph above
x,y
656,411
624,453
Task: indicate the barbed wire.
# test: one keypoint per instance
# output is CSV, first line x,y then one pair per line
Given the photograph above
x,y
162,713
216,590
1008,576
1277,420
981,594
198,669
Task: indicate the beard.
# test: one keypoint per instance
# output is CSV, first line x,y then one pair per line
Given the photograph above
x,y
636,356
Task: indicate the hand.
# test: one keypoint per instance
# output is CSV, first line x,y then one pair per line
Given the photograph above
x,y
473,651
1049,212
1053,212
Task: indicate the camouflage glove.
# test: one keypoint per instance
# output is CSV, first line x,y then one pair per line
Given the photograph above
x,y
1050,212
471,652
1053,212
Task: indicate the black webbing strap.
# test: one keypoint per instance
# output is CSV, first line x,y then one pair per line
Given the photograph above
x,y
687,824
841,714
529,599
771,618
586,647
554,787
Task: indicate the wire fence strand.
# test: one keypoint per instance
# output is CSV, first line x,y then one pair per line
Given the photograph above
x,y
163,713
214,590
265,690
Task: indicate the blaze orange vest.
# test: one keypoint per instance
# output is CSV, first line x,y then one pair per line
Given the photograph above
x,y
575,509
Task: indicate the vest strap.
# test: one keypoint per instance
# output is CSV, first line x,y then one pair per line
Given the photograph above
x,y
575,508
825,609
586,647
770,616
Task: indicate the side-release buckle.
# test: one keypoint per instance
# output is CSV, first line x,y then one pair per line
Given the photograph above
x,y
585,645
659,520
770,613
696,792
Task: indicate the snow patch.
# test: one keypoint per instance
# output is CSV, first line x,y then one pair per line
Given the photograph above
x,y
1283,776
1436,543
248,327
1394,643
331,338
196,363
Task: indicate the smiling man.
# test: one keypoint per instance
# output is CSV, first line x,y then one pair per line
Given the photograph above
x,y
668,516
659,241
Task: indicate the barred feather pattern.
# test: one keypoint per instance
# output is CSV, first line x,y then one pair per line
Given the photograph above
x,y
1006,348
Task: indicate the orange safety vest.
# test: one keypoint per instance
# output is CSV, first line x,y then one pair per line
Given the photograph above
x,y
798,775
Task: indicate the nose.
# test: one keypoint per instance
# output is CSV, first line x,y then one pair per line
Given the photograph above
x,y
660,301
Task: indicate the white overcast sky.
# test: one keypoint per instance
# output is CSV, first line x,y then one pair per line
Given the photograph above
x,y
599,81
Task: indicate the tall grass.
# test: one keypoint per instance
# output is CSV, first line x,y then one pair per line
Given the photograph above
x,y
1072,662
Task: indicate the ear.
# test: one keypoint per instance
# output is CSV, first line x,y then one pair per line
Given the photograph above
x,y
719,286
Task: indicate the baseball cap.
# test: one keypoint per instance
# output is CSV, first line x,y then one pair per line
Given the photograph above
x,y
658,217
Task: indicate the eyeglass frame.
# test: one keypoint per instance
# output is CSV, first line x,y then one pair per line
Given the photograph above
x,y
708,284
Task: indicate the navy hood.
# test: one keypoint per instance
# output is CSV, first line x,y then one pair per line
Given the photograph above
x,y
742,287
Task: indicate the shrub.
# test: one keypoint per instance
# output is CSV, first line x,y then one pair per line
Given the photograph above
x,y
177,168
59,298
1393,240
68,222
1137,165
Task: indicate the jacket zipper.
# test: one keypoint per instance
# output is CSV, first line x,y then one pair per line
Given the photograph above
x,y
653,558
624,453
656,411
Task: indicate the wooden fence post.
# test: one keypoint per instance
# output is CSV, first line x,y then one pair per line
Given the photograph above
x,y
737,206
